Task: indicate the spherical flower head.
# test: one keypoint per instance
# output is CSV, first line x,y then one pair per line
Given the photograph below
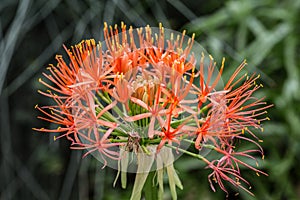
x,y
140,98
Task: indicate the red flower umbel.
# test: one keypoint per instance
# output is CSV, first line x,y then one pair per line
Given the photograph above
x,y
141,89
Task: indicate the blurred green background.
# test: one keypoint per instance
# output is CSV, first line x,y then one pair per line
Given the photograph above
x,y
265,32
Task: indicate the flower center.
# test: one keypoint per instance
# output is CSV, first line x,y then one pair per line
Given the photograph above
x,y
145,89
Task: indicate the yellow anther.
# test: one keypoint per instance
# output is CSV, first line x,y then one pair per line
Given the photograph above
x,y
193,69
223,63
93,42
189,41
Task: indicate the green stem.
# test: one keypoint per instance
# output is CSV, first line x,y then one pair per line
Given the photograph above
x,y
203,109
189,153
105,97
153,141
150,189
146,151
118,140
209,146
175,124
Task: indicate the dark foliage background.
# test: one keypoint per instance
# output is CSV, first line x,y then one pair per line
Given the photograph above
x,y
265,32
